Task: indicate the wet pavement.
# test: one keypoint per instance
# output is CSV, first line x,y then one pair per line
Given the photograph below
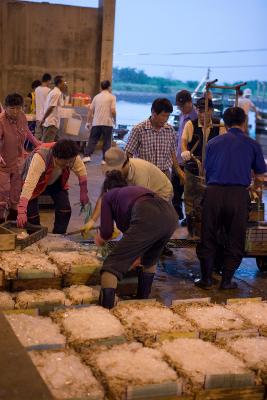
x,y
175,275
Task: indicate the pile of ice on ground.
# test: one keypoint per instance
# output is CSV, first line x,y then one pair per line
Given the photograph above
x,y
144,319
32,331
6,301
130,365
66,376
81,294
16,261
252,350
68,259
253,311
88,324
55,242
195,358
209,316
33,298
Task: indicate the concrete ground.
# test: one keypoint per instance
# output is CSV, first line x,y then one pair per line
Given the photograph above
x,y
175,275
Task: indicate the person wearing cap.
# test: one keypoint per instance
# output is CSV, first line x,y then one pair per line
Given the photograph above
x,y
246,103
192,135
147,222
188,113
154,140
230,158
136,172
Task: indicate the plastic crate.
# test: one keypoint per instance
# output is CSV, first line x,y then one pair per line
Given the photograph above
x,y
36,232
256,240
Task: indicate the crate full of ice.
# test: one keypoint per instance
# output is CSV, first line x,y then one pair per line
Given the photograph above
x,y
39,298
82,294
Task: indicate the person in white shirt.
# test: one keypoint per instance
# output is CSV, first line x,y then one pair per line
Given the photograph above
x,y
41,93
245,102
102,117
51,118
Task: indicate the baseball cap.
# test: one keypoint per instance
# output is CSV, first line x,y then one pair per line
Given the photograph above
x,y
183,97
115,158
247,92
201,104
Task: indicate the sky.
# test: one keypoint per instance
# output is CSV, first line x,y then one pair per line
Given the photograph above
x,y
162,27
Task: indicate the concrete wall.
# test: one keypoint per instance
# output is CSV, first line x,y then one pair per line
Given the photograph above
x,y
72,41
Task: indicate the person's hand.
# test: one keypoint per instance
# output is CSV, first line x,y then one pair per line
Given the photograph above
x,y
186,155
22,212
88,126
2,161
84,198
87,228
181,175
98,240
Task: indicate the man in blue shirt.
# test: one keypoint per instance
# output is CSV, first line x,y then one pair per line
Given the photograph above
x,y
230,159
188,112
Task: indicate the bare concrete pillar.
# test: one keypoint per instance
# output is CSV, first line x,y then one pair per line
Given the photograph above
x,y
107,18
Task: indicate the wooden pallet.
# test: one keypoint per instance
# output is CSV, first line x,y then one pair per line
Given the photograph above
x,y
249,393
33,284
82,275
7,239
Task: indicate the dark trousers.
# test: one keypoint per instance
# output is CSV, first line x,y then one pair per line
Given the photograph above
x,y
153,222
225,210
62,208
96,133
178,191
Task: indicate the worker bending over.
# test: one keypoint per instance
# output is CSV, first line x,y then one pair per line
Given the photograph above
x,y
229,161
47,171
147,222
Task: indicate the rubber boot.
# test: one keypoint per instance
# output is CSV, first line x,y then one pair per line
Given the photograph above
x,y
107,298
12,215
205,282
226,283
145,280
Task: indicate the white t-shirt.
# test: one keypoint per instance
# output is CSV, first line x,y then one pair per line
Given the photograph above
x,y
102,106
41,93
245,103
54,99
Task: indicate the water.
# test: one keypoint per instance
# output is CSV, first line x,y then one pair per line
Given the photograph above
x,y
132,113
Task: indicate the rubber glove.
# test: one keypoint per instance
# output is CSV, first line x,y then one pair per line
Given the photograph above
x,y
2,161
87,228
186,155
84,199
22,212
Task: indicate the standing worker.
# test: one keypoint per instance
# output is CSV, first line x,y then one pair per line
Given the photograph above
x,y
41,93
102,117
154,140
230,158
147,223
188,113
13,133
51,119
48,169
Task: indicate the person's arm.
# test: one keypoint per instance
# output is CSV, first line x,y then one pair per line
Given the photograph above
x,y
186,136
90,114
259,169
94,217
47,113
113,110
107,222
2,161
133,143
177,168
36,169
80,171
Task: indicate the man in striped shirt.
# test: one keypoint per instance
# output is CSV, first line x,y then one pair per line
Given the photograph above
x,y
154,140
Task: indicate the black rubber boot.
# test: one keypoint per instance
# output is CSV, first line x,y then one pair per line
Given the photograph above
x,y
145,280
205,282
226,283
107,298
12,215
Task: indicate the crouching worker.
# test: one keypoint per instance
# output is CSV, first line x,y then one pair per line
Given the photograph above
x,y
47,171
147,222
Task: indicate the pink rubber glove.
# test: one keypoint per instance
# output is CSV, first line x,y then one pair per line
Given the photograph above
x,y
84,199
22,212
